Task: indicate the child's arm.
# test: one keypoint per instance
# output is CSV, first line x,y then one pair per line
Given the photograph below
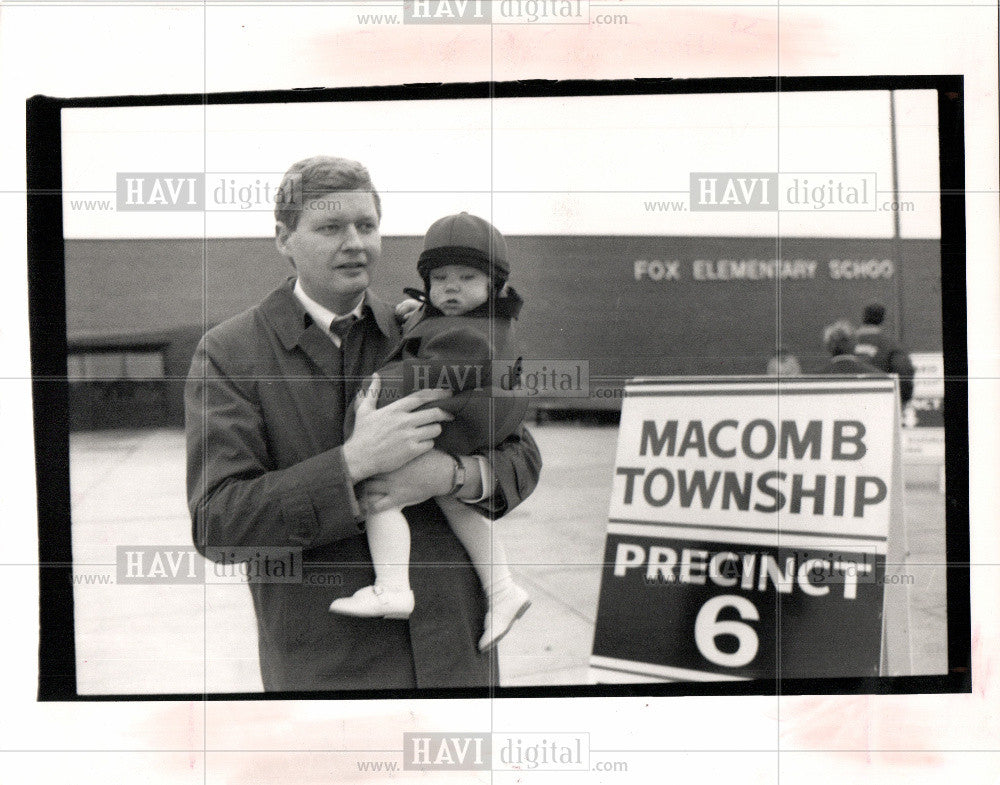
x,y
406,308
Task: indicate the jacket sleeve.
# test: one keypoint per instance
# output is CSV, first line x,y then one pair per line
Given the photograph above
x,y
516,464
236,496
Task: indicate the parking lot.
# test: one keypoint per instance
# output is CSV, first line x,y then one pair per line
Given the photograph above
x,y
128,488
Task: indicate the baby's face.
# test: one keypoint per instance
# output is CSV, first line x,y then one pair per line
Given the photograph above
x,y
457,289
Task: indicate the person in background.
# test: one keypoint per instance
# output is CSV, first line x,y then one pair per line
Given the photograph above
x,y
838,338
784,364
884,351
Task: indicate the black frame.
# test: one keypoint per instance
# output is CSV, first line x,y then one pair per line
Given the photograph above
x,y
47,321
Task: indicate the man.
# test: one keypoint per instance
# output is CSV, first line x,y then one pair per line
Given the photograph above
x,y
883,351
268,464
838,338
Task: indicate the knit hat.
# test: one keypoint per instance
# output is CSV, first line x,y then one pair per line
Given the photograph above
x,y
465,239
874,313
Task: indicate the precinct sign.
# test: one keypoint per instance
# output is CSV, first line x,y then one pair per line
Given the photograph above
x,y
748,529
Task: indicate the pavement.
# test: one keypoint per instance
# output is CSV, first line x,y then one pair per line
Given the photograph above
x,y
128,488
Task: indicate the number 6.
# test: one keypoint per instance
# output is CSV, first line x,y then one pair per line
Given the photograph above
x,y
707,628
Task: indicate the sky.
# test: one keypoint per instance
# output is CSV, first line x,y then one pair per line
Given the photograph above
x,y
567,165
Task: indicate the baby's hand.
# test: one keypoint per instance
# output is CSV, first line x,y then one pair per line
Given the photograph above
x,y
405,308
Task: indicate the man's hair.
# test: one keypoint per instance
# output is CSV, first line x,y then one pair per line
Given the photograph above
x,y
838,338
312,177
874,313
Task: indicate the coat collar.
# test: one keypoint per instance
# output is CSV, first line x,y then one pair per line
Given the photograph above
x,y
287,317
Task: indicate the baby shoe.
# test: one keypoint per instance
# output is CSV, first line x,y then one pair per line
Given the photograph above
x,y
375,601
505,608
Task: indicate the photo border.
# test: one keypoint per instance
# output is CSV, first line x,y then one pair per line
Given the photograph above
x,y
49,384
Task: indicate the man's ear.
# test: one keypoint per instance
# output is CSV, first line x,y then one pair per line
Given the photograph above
x,y
281,234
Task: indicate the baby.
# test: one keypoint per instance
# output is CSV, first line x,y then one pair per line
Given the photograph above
x,y
452,341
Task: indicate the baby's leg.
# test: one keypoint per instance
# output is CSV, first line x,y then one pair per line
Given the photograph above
x,y
389,541
488,555
390,597
507,601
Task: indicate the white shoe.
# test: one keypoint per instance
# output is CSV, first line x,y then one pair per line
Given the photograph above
x,y
375,601
505,609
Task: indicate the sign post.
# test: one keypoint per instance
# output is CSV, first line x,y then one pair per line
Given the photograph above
x,y
748,530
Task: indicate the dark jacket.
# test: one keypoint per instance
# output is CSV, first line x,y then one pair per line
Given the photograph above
x,y
886,354
265,402
473,355
849,365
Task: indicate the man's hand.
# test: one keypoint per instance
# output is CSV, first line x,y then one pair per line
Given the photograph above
x,y
387,438
428,475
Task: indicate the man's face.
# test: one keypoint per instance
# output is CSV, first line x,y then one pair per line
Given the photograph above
x,y
334,246
457,289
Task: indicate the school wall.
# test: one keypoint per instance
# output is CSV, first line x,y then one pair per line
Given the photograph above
x,y
585,298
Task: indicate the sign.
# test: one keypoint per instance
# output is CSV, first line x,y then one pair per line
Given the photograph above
x,y
926,407
748,529
923,420
764,269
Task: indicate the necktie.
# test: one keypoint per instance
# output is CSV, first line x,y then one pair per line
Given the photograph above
x,y
341,326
